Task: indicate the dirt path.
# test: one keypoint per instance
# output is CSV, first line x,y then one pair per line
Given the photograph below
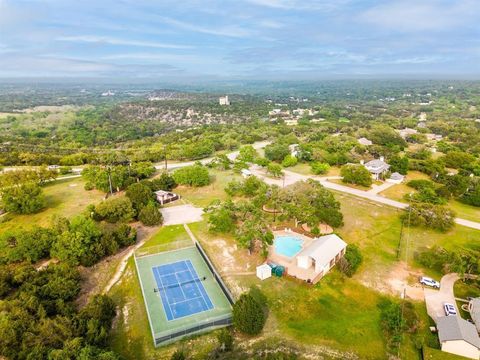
x,y
143,233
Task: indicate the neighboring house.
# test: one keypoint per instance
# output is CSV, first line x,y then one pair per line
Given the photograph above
x,y
396,178
377,167
223,100
322,254
164,197
364,141
406,132
458,336
474,309
294,149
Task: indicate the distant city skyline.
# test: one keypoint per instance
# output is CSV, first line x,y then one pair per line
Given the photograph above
x,y
243,39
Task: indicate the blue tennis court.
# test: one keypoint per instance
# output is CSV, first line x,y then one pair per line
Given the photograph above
x,y
181,289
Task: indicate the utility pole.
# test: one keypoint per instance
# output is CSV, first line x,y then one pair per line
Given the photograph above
x,y
109,172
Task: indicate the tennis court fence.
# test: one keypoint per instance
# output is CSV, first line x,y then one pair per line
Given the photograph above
x,y
153,250
215,273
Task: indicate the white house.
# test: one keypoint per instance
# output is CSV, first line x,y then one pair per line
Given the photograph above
x,y
474,309
322,254
458,336
223,100
364,141
377,167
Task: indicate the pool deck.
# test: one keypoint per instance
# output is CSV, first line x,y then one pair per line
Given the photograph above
x,y
290,263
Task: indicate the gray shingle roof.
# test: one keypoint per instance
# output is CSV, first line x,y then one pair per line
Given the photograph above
x,y
397,176
452,328
377,166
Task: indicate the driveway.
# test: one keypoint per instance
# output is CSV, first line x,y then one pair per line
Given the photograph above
x,y
434,299
181,214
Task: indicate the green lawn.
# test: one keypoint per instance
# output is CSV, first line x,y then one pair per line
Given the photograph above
x,y
167,234
305,169
203,196
354,186
63,197
434,354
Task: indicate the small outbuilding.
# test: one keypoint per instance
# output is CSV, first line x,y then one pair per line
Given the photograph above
x,y
165,197
264,271
458,336
396,178
246,173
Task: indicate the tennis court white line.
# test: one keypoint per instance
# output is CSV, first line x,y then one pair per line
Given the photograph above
x,y
180,286
171,312
187,300
196,285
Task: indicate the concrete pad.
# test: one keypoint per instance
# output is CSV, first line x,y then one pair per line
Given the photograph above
x,y
181,214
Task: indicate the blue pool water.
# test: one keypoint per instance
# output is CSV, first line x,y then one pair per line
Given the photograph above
x,y
287,245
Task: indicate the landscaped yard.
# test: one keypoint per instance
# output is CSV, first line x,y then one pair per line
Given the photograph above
x,y
63,197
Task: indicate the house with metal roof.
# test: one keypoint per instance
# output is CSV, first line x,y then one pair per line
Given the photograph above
x,y
474,309
377,167
458,336
322,254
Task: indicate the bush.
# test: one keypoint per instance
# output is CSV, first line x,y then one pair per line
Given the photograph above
x,y
356,174
421,184
178,355
319,168
194,175
150,215
140,195
275,170
276,152
261,161
248,315
225,340
352,260
164,182
289,161
115,209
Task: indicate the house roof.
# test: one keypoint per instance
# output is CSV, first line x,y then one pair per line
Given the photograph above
x,y
397,176
451,328
474,307
364,141
377,166
324,248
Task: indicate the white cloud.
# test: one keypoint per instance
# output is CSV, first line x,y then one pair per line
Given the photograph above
x,y
229,31
116,41
427,15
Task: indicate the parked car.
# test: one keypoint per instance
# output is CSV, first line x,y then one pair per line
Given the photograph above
x,y
449,309
429,282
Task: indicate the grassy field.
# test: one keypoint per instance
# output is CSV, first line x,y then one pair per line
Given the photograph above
x,y
63,197
305,169
203,196
354,186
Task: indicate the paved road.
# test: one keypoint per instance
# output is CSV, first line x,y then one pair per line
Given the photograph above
x,y
291,178
434,299
232,156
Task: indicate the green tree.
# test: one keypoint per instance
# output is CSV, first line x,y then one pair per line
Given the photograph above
x,y
289,161
472,194
150,215
164,182
275,170
248,315
194,175
115,209
399,164
319,168
430,215
140,195
24,198
458,159
247,153
276,151
352,260
356,174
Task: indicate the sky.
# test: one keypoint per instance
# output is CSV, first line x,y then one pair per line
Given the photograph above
x,y
242,39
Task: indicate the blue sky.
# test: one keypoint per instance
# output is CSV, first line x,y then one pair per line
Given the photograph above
x,y
243,39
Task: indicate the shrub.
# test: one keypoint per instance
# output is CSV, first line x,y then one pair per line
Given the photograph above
x,y
248,315
178,355
225,340
261,161
115,209
276,152
26,198
289,160
421,184
164,182
194,175
140,195
319,168
275,170
352,260
150,215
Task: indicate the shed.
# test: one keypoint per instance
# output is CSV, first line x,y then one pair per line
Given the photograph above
x,y
396,178
264,271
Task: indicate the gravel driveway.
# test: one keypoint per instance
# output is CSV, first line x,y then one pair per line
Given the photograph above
x,y
181,214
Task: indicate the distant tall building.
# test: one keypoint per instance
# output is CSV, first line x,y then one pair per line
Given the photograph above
x,y
223,100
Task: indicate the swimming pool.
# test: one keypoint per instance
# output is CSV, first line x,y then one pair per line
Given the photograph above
x,y
287,245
